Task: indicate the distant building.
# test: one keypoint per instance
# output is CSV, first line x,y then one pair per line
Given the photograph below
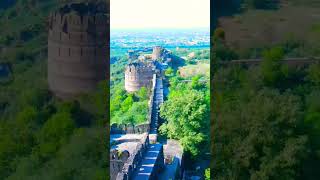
x,y
140,73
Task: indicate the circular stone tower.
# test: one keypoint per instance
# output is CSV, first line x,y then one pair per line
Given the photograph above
x,y
138,75
156,53
77,48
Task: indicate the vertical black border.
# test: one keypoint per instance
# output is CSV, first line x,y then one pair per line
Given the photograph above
x,y
107,128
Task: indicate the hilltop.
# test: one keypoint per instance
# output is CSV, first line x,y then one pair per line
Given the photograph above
x,y
249,28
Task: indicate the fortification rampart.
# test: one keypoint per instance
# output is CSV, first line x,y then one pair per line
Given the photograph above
x,y
141,128
291,62
134,160
77,48
121,167
130,129
120,162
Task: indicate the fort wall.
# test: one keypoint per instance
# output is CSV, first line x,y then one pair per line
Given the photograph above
x,y
121,168
130,129
141,128
134,160
291,62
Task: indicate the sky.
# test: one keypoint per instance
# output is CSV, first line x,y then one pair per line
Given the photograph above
x,y
159,14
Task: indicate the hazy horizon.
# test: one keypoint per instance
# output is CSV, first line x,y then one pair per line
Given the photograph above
x,y
207,29
159,14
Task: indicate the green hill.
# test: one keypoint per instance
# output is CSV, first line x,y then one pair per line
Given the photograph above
x,y
248,29
40,136
266,116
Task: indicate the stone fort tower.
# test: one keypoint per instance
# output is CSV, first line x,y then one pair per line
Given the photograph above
x,y
157,52
138,75
77,48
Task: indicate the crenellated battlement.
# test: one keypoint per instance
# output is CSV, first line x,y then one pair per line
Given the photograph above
x,y
75,20
138,68
76,28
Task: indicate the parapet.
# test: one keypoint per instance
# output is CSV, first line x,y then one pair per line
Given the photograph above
x,y
79,23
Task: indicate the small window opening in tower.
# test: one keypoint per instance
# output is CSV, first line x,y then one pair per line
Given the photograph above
x,y
65,27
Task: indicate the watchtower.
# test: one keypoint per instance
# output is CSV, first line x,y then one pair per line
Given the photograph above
x,y
157,52
77,48
138,75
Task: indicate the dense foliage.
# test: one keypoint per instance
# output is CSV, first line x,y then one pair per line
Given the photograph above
x,y
266,117
128,108
266,120
187,113
40,136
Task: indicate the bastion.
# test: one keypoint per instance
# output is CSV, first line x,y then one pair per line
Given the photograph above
x,y
157,52
138,75
77,48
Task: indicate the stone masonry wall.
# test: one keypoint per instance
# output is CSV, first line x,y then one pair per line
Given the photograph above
x,y
77,49
291,62
125,168
138,75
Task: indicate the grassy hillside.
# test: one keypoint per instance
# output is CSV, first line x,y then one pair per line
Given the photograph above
x,y
294,23
266,117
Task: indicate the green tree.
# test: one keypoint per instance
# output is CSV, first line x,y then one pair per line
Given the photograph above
x,y
169,72
139,111
258,137
196,83
271,68
54,133
143,94
187,116
17,139
314,74
207,174
127,103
